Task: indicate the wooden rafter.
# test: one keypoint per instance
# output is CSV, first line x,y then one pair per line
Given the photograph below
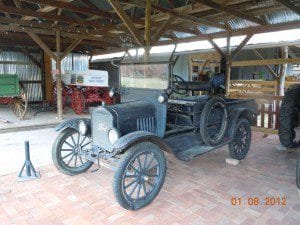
x,y
43,46
241,45
70,48
230,10
289,5
196,20
47,16
216,47
159,33
44,9
74,8
127,21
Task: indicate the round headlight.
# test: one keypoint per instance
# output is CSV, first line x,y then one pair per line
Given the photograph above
x,y
161,99
113,135
111,93
82,127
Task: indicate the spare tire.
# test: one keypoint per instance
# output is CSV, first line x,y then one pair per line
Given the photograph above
x,y
288,116
214,121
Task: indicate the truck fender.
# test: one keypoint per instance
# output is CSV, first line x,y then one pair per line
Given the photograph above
x,y
73,123
128,140
236,114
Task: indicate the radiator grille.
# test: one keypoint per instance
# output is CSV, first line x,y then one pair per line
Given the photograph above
x,y
146,124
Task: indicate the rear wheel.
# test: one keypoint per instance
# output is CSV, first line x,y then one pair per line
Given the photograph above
x,y
69,150
140,176
240,144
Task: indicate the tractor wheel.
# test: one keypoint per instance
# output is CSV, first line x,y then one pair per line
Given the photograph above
x,y
213,121
288,116
77,101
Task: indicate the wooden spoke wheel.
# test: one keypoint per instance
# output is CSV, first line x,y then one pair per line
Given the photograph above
x,y
77,101
19,104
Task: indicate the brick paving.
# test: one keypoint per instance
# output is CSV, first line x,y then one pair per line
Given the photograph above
x,y
197,192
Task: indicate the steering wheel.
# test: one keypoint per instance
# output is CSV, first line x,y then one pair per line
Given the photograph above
x,y
177,82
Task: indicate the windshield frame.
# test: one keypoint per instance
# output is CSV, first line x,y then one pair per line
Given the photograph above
x,y
167,63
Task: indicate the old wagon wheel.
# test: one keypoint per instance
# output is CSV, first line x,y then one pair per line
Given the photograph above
x,y
19,104
77,101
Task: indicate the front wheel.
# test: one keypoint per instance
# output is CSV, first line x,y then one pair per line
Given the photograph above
x,y
139,176
69,150
239,146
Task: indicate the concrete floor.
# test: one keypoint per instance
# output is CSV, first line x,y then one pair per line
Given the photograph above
x,y
31,120
196,192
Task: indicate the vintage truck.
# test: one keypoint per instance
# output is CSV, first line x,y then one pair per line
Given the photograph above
x,y
149,121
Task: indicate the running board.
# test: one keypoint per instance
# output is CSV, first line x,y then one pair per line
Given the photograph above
x,y
190,145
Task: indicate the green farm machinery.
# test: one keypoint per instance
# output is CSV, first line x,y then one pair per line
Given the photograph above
x,y
12,93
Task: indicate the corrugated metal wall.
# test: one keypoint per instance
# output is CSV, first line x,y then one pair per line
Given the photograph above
x,y
74,61
26,70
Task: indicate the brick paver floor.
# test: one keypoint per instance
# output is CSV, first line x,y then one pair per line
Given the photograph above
x,y
197,192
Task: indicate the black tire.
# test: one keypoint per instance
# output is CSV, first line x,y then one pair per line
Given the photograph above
x,y
288,116
135,163
213,121
65,142
298,174
240,144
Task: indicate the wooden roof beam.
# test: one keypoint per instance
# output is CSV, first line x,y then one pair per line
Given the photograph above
x,y
196,20
241,45
43,46
289,5
32,13
44,9
230,10
74,8
127,21
159,33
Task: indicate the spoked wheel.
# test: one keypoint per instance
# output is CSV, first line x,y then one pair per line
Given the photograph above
x,y
77,101
213,121
69,151
240,144
139,176
19,104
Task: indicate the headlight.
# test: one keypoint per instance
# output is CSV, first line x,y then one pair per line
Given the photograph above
x,y
113,135
82,128
161,99
111,93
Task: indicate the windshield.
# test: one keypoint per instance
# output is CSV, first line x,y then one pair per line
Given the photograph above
x,y
152,76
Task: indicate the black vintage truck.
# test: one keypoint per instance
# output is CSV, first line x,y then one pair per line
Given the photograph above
x,y
149,120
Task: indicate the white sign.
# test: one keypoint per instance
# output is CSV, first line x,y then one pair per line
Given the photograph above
x,y
95,78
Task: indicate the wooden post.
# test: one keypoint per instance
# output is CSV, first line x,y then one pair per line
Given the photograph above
x,y
228,66
48,78
147,29
58,77
282,71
